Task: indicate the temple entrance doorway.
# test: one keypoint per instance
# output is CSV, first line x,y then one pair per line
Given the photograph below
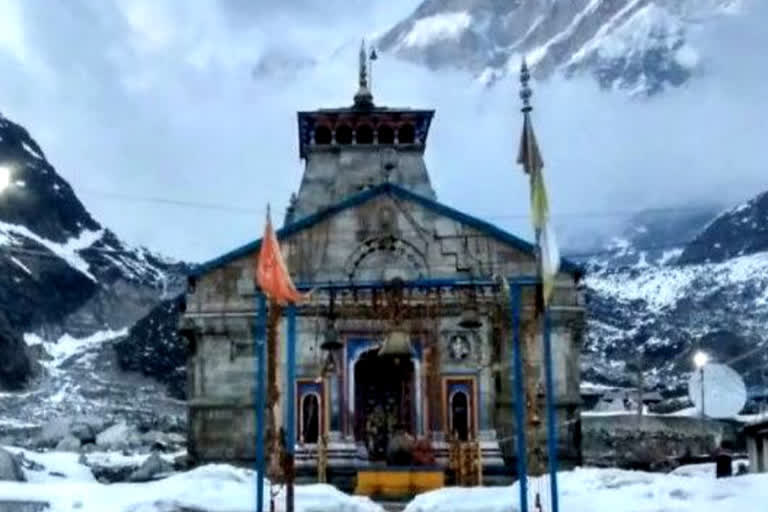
x,y
384,391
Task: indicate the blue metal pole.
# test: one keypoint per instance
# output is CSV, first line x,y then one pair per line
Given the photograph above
x,y
522,463
290,411
259,352
551,416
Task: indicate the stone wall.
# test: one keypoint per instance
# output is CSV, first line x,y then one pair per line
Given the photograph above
x,y
650,442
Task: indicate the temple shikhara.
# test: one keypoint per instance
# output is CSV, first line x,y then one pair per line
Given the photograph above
x,y
408,332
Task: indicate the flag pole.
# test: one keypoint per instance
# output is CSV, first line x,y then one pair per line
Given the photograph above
x,y
530,158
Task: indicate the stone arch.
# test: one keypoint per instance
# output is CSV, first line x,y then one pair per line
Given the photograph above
x,y
460,415
364,134
386,134
323,135
406,134
344,134
390,249
310,418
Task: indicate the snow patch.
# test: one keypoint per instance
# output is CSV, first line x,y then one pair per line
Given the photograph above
x,y
68,346
611,490
32,151
214,488
21,265
436,28
68,251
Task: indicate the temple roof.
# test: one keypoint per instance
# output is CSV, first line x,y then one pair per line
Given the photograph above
x,y
362,197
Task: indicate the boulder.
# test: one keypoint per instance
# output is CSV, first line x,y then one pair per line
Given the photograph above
x,y
68,444
182,463
29,464
151,468
83,432
120,435
112,474
53,432
10,469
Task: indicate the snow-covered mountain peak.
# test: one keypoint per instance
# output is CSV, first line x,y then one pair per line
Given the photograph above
x,y
637,45
62,271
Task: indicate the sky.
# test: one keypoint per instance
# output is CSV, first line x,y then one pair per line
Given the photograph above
x,y
167,101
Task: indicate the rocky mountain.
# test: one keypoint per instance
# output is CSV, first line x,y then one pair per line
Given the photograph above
x,y
641,46
62,273
711,293
154,347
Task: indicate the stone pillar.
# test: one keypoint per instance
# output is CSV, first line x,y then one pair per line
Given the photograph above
x,y
764,441
752,453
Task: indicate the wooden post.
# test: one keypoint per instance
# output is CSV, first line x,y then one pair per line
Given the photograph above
x,y
531,372
274,469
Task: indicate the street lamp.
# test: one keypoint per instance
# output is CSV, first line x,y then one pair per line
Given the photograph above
x,y
700,360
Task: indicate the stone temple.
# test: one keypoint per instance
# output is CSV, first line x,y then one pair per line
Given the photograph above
x,y
366,218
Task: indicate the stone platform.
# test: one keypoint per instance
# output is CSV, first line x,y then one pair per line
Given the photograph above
x,y
398,482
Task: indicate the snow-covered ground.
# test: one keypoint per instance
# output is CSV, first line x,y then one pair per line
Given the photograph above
x,y
211,488
69,486
613,490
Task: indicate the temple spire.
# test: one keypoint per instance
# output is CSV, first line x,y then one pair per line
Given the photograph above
x,y
363,97
525,89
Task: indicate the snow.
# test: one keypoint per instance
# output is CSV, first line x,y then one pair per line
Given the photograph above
x,y
67,346
68,251
538,53
595,42
31,151
212,488
661,288
20,264
436,28
649,27
611,490
670,255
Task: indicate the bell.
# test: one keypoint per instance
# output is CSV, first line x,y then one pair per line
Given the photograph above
x,y
331,339
470,319
330,367
398,343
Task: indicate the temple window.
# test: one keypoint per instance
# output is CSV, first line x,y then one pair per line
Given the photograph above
x,y
323,135
364,134
386,134
344,134
310,418
406,134
460,416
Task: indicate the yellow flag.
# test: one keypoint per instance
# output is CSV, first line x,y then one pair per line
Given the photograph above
x,y
530,158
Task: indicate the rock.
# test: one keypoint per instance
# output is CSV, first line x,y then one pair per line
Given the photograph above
x,y
163,441
29,464
112,474
118,436
182,463
83,432
68,444
53,432
10,468
23,506
151,468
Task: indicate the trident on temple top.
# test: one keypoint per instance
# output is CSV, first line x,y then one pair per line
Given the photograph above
x,y
363,97
525,90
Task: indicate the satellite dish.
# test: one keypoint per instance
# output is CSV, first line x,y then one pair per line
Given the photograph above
x,y
724,391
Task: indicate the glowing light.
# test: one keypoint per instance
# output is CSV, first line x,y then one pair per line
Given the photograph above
x,y
5,177
700,359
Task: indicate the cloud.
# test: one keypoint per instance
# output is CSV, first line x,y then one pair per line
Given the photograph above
x,y
157,99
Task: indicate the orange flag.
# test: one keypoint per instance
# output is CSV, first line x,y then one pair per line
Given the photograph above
x,y
271,273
